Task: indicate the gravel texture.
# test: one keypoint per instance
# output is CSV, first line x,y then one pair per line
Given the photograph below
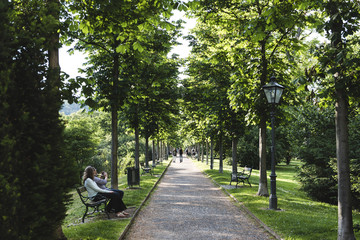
x,y
187,205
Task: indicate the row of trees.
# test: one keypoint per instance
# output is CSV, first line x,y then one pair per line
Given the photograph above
x,y
33,161
127,43
238,45
87,138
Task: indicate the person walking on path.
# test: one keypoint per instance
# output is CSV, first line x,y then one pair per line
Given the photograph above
x,y
174,153
181,155
187,205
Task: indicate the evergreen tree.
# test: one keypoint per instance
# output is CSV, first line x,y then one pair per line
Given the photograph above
x,y
35,174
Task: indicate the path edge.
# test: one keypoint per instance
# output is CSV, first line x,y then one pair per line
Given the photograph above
x,y
142,204
246,210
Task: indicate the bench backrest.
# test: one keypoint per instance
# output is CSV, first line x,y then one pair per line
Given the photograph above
x,y
142,165
247,171
80,190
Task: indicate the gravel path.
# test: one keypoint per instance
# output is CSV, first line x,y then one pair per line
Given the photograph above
x,y
187,205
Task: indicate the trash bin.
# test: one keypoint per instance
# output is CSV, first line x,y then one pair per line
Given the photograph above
x,y
133,176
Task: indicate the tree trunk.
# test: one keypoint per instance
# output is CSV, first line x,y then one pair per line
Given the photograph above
x,y
158,150
137,153
345,222
114,147
146,151
59,234
202,152
54,78
207,152
161,151
263,189
198,151
114,124
153,152
221,154
211,154
234,155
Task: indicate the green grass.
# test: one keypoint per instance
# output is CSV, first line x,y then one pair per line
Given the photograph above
x,y
299,218
98,226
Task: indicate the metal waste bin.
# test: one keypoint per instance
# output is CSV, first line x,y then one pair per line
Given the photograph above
x,y
133,176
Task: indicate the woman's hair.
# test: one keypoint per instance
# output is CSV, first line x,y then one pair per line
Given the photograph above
x,y
88,173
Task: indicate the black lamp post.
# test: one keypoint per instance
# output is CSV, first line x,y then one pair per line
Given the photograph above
x,y
273,92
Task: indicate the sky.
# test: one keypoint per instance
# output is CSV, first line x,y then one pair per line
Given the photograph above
x,y
71,63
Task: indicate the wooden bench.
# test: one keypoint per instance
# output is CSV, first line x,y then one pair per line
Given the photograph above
x,y
241,176
145,170
89,203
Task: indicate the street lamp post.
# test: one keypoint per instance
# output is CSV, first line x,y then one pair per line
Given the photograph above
x,y
273,92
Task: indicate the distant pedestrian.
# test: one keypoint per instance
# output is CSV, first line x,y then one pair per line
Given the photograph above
x,y
181,153
193,152
174,154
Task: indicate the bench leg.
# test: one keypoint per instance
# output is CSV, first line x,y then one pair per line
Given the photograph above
x,y
83,218
249,182
107,214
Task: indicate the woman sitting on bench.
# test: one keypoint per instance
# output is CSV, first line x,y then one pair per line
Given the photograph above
x,y
95,193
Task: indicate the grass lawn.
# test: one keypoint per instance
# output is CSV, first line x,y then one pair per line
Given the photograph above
x,y
98,226
299,217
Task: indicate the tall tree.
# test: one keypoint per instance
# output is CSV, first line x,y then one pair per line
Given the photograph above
x,y
254,34
341,68
111,32
33,161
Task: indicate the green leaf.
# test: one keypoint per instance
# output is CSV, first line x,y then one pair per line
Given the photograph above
x,y
121,49
84,28
137,46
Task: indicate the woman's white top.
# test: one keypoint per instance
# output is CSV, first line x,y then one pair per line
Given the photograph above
x,y
92,188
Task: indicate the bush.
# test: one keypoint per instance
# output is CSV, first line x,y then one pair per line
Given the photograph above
x,y
248,148
318,183
315,130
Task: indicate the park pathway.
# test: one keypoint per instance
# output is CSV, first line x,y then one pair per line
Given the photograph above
x,y
187,205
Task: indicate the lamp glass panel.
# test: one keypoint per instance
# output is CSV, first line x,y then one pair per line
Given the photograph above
x,y
270,94
278,94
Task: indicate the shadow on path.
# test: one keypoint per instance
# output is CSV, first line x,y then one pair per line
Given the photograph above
x,y
187,205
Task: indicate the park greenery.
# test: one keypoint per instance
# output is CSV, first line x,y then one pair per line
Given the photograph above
x,y
138,107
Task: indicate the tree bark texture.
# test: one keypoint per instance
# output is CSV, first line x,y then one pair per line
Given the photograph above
x,y
211,154
54,77
221,168
158,149
234,155
153,152
345,222
114,147
202,152
146,151
207,152
263,188
137,146
114,122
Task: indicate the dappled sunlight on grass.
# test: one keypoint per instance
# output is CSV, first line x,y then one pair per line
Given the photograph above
x,y
300,217
102,229
95,227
